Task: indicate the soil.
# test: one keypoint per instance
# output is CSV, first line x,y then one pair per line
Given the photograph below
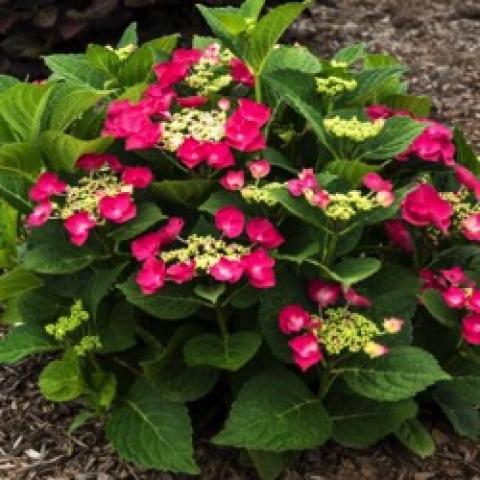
x,y
439,41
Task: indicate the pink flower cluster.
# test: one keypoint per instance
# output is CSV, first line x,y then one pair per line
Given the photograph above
x,y
306,184
326,293
434,144
235,179
458,292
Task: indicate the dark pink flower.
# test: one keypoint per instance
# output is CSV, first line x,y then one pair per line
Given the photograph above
x,y
471,328
261,231
259,168
243,135
376,112
324,293
181,272
399,235
471,227
233,180
254,112
306,181
191,152
151,276
119,208
186,55
47,185
431,280
78,226
473,302
385,198
455,276
146,246
241,73
468,179
352,297
90,162
319,197
171,230
147,137
138,177
40,214
192,102
306,351
293,318
424,206
224,104
157,106
230,221
454,297
226,270
376,183
170,73
259,269
218,155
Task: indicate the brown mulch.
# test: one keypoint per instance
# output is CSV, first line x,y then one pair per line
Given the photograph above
x,y
440,44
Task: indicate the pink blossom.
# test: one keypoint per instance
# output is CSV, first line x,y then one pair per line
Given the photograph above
x,y
191,152
454,297
352,297
40,214
375,350
306,351
471,328
431,280
243,135
78,226
319,197
241,73
376,183
90,162
385,198
455,276
170,73
171,230
138,177
254,112
471,227
473,302
218,155
226,270
233,180
186,55
424,206
147,137
151,276
230,221
119,208
146,246
468,179
224,104
181,272
293,318
192,102
47,185
324,293
393,325
114,163
376,112
399,235
261,231
259,269
259,168
306,181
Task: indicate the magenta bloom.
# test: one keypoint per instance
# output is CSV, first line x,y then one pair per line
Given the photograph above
x,y
243,135
118,209
376,183
259,269
230,221
188,56
47,185
376,112
454,297
138,177
194,101
151,276
78,226
293,318
473,302
226,270
352,297
468,179
306,351
171,230
146,246
259,169
191,152
241,73
254,112
40,214
233,180
157,102
455,276
471,328
306,181
324,293
261,230
90,162
218,155
424,206
399,235
170,73
147,137
181,272
471,227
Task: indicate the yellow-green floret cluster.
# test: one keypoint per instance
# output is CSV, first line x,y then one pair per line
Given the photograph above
x,y
333,85
344,206
345,330
67,324
123,52
87,344
207,126
353,128
206,251
461,204
338,63
257,194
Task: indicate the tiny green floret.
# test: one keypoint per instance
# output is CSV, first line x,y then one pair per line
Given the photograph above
x,y
67,324
353,128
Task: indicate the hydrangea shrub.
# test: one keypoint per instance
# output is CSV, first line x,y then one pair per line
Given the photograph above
x,y
241,240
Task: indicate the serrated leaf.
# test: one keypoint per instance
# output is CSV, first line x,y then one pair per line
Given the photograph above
x,y
275,412
292,58
433,302
14,187
352,171
151,432
354,270
184,192
229,353
129,36
416,438
16,282
22,156
103,59
220,199
211,293
252,8
402,373
351,54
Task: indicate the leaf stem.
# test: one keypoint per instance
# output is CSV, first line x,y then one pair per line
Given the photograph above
x,y
222,321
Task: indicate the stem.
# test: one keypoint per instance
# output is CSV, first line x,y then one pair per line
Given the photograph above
x,y
258,89
222,321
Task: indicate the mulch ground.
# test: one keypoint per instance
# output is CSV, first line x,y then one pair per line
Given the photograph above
x,y
439,41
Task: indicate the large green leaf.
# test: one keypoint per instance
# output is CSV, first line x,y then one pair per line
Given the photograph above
x,y
465,153
251,8
292,58
7,81
103,59
352,171
465,382
268,465
354,270
351,54
17,282
438,309
151,432
22,156
184,192
230,353
172,302
418,105
14,187
63,150
275,412
416,438
402,373
129,36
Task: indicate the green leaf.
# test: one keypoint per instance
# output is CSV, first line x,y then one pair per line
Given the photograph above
x,y
252,8
433,302
220,199
418,105
230,353
148,214
275,412
14,187
292,58
137,67
22,156
57,259
402,373
268,31
354,270
268,465
416,438
6,81
352,171
103,59
79,420
184,192
151,432
118,329
25,340
17,282
129,36
351,54
172,302
277,159
465,382
360,423
63,150
102,389
465,153
211,293
232,22
61,380
22,107
379,60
